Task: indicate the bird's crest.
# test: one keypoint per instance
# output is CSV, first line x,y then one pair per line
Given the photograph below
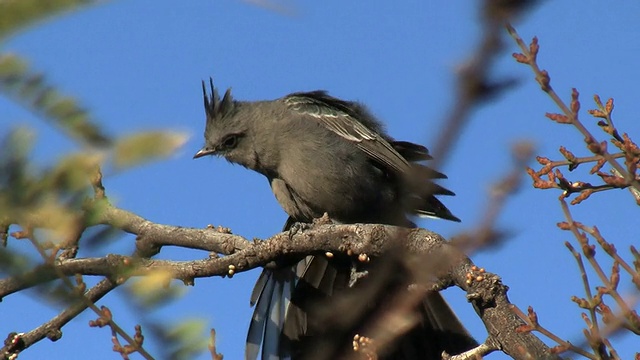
x,y
213,106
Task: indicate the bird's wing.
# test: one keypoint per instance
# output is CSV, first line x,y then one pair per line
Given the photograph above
x,y
344,119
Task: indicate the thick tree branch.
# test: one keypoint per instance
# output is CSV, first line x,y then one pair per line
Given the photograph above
x,y
359,238
451,267
152,236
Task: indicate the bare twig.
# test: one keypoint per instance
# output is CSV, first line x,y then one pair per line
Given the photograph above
x,y
51,329
532,324
474,84
77,292
485,233
212,346
570,114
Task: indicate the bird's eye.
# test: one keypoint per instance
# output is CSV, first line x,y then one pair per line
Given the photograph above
x,y
230,141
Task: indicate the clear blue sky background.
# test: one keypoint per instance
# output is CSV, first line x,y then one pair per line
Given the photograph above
x,y
138,65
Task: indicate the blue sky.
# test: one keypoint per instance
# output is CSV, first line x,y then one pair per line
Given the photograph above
x,y
138,66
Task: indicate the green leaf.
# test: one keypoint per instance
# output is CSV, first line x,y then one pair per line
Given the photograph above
x,y
72,173
16,182
146,146
187,338
154,288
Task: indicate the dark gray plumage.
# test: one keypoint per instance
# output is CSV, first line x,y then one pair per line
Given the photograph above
x,y
321,154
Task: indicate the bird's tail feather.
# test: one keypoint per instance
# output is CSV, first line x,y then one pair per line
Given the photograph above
x,y
271,297
331,324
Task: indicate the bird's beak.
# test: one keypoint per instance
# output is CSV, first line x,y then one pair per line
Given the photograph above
x,y
204,152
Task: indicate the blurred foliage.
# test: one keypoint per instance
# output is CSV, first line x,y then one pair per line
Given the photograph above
x,y
42,198
52,196
13,263
155,289
187,338
17,14
51,205
138,148
30,89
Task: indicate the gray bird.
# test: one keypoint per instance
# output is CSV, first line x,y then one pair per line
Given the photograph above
x,y
322,154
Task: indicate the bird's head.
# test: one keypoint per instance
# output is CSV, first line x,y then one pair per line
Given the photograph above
x,y
226,128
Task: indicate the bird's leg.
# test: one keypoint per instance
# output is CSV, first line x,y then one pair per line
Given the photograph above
x,y
297,227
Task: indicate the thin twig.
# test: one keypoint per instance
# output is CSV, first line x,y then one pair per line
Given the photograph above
x,y
52,327
529,57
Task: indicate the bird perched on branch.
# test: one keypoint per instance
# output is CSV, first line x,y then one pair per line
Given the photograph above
x,y
326,155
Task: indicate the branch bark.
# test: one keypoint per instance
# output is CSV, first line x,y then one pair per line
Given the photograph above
x,y
485,291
